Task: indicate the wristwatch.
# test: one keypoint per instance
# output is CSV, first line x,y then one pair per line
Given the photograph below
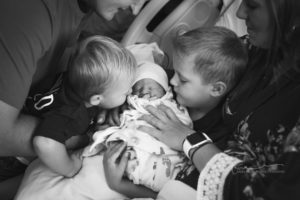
x,y
194,141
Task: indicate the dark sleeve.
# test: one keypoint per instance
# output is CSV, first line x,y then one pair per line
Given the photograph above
x,y
228,177
214,126
64,122
281,182
54,126
25,34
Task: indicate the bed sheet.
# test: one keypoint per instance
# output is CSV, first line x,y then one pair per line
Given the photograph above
x,y
41,183
89,184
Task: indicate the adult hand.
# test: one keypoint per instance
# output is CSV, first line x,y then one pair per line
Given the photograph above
x,y
137,6
166,126
114,164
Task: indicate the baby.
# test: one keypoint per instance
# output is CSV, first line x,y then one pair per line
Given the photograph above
x,y
152,162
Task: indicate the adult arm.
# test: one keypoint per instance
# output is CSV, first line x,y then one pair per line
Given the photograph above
x,y
16,131
56,157
25,35
226,177
170,130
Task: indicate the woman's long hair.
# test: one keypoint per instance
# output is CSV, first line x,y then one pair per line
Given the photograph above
x,y
282,58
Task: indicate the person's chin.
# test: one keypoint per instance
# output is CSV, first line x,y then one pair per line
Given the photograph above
x,y
257,40
108,15
180,100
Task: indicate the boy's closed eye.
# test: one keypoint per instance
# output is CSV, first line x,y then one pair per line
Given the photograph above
x,y
182,80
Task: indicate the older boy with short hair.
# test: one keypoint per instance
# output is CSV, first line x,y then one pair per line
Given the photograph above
x,y
208,62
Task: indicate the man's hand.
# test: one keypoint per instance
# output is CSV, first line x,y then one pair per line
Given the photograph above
x,y
166,126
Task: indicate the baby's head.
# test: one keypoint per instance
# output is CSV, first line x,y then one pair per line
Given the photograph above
x,y
101,72
151,81
208,62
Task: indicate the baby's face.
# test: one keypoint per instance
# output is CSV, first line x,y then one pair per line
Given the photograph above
x,y
148,88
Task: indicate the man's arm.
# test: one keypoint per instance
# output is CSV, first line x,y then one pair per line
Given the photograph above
x,y
16,131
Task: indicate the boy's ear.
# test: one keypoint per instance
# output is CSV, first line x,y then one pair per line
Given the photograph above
x,y
96,99
218,89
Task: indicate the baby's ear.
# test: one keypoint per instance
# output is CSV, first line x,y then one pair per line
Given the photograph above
x,y
218,89
96,99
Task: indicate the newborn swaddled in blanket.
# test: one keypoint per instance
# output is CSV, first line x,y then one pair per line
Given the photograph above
x,y
152,165
153,162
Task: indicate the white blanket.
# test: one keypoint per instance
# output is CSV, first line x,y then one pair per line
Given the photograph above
x,y
154,163
40,183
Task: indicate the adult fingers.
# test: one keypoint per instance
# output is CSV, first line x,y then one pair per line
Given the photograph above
x,y
113,118
124,161
100,127
101,116
159,114
137,6
154,121
151,131
116,149
168,112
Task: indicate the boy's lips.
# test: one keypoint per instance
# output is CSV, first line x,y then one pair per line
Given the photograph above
x,y
251,32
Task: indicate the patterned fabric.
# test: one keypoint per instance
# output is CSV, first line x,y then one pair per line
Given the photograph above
x,y
292,143
264,123
212,177
254,167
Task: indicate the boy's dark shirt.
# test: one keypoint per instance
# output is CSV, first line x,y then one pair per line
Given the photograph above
x,y
208,124
68,117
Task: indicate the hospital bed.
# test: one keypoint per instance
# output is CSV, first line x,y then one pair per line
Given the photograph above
x,y
161,20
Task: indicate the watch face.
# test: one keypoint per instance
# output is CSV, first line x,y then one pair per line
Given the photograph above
x,y
196,138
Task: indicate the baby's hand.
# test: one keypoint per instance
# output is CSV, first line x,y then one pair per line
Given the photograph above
x,y
114,163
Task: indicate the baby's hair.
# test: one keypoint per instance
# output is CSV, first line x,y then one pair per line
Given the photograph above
x,y
219,53
97,62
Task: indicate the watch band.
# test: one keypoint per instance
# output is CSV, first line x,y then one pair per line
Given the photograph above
x,y
189,145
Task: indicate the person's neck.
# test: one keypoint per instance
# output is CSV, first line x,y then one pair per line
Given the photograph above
x,y
84,5
198,113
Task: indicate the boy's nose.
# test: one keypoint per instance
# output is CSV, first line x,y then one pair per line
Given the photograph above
x,y
173,81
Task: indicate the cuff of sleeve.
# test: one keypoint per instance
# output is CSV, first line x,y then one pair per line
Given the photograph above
x,y
212,178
